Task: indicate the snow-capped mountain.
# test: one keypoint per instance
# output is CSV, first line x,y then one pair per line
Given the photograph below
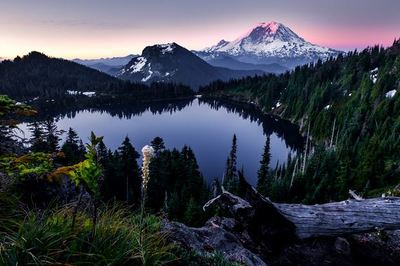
x,y
173,63
269,43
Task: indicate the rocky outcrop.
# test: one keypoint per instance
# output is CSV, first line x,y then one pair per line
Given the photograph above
x,y
215,236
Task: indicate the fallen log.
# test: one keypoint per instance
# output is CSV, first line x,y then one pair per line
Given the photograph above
x,y
264,219
343,218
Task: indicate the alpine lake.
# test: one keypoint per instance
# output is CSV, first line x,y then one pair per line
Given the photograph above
x,y
205,125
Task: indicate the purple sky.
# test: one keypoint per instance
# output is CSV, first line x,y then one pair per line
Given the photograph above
x,y
96,28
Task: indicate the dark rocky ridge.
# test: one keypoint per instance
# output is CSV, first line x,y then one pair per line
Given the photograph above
x,y
173,63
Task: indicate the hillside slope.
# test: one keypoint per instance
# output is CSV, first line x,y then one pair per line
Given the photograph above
x,y
37,74
351,106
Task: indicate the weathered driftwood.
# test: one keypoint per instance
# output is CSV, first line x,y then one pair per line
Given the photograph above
x,y
264,218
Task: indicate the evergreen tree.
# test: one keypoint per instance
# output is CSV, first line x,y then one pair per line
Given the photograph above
x,y
231,175
263,182
192,213
72,137
52,135
158,144
82,148
102,152
129,170
71,149
37,140
175,180
173,206
113,185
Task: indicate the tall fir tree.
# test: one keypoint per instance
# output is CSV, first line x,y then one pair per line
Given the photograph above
x,y
102,152
263,180
129,170
231,175
37,141
71,149
192,214
158,145
52,135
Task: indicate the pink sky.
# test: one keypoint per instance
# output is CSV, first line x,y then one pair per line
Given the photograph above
x,y
101,28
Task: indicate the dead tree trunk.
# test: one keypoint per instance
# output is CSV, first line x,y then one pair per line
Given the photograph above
x,y
343,218
263,218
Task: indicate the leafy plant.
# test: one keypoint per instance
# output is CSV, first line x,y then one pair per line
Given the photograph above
x,y
86,175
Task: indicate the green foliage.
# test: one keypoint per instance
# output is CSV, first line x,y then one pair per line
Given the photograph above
x,y
31,165
88,172
48,239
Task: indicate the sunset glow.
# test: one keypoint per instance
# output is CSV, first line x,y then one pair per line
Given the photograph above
x,y
74,28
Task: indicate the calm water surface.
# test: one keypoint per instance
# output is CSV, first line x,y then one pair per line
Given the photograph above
x,y
206,126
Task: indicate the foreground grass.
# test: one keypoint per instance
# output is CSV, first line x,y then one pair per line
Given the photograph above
x,y
47,238
37,237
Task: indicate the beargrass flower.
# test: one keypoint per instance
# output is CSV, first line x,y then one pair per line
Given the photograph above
x,y
148,152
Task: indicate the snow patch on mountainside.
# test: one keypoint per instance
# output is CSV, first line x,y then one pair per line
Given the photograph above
x,y
166,48
374,75
391,94
86,93
138,66
150,73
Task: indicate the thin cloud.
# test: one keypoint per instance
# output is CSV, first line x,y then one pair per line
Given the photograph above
x,y
78,23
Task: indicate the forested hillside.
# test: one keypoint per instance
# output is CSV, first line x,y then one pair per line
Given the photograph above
x,y
349,108
37,76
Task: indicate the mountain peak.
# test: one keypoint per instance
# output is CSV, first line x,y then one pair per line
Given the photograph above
x,y
222,42
173,63
265,32
36,55
270,42
167,47
272,26
162,49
